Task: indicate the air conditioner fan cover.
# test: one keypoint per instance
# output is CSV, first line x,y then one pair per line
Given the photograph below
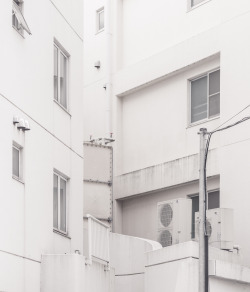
x,y
165,238
166,215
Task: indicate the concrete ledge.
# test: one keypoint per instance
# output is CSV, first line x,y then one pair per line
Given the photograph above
x,y
229,271
197,49
168,174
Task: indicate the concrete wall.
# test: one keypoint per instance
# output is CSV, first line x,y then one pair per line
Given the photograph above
x,y
67,273
54,141
127,256
175,269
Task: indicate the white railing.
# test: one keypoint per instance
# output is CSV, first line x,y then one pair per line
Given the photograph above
x,y
98,240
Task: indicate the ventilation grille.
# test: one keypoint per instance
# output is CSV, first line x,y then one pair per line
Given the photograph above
x,y
166,215
165,238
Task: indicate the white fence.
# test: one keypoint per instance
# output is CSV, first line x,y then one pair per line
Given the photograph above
x,y
98,240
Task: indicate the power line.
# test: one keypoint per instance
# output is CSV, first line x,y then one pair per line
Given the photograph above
x,y
232,117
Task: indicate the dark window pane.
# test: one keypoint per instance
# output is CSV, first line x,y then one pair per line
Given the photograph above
x,y
214,105
15,161
63,205
199,99
214,82
55,202
214,200
55,73
195,208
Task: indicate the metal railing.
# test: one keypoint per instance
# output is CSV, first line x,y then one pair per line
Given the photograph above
x,y
98,240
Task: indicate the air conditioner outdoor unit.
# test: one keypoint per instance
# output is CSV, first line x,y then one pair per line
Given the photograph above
x,y
219,227
174,221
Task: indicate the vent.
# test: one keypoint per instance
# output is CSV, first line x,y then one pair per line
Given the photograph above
x,y
174,221
165,238
166,215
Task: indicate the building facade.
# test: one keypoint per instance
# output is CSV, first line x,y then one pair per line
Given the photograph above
x,y
41,150
175,68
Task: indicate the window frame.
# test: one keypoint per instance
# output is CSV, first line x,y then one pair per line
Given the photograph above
x,y
58,100
18,21
19,148
208,118
98,12
58,229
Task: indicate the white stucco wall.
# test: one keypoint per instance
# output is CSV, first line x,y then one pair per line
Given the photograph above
x,y
54,141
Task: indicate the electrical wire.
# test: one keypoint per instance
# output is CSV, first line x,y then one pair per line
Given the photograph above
x,y
206,156
232,117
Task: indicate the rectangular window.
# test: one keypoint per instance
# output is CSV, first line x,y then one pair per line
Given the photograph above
x,y
15,161
18,20
205,96
59,203
213,203
60,76
100,19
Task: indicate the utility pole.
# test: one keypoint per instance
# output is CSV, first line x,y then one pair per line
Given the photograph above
x,y
202,213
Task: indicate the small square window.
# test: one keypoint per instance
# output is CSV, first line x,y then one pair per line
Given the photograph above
x,y
100,19
18,20
205,96
59,203
17,161
60,76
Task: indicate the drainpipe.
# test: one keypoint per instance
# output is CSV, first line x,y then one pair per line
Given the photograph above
x,y
108,34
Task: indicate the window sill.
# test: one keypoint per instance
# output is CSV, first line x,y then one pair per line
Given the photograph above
x,y
18,179
63,108
61,233
99,31
202,122
197,5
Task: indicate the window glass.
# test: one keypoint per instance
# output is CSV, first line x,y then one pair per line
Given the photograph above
x,y
15,161
63,78
55,202
55,73
214,82
214,105
199,99
101,20
63,204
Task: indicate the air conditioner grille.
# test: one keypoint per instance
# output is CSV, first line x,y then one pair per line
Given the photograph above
x,y
165,238
166,215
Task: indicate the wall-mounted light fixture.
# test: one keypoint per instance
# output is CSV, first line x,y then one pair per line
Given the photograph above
x,y
97,64
22,124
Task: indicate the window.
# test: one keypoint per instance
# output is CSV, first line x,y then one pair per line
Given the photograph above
x,y
18,20
60,76
205,96
100,19
213,203
17,161
59,203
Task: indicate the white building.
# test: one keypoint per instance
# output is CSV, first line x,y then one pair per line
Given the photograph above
x,y
78,71
49,156
175,68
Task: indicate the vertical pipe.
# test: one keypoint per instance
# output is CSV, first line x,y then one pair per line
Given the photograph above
x,y
202,200
108,34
